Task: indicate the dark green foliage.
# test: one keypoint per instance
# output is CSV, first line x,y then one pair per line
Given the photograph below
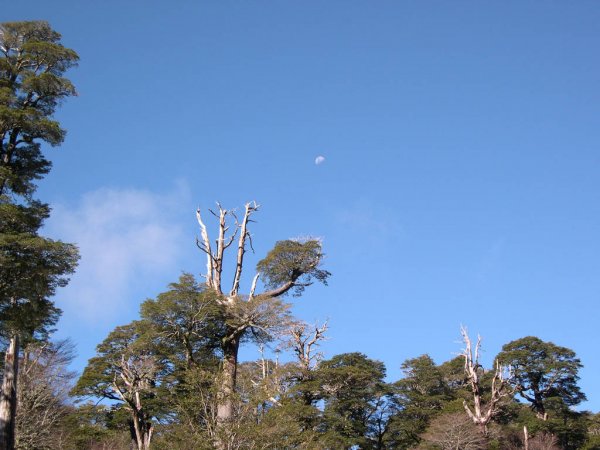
x,y
343,403
419,396
89,426
351,386
128,370
31,269
293,261
191,403
186,320
32,64
186,326
125,343
593,431
567,426
423,386
173,353
543,371
453,372
291,425
258,320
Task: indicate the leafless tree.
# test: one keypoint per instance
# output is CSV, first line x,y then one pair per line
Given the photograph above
x,y
544,441
135,375
44,381
455,431
304,340
541,441
480,412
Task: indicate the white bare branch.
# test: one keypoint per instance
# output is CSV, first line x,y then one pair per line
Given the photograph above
x,y
481,414
304,343
253,287
250,208
218,259
207,249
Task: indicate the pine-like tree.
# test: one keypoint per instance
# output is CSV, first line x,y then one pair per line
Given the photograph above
x,y
32,62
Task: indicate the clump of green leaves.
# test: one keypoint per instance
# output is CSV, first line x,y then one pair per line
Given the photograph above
x,y
292,261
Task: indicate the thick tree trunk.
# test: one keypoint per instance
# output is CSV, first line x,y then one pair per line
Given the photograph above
x,y
228,380
140,431
8,395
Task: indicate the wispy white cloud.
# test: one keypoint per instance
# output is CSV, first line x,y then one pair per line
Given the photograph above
x,y
125,236
371,221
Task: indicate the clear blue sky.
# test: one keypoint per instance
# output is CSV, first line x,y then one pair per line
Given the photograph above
x,y
461,182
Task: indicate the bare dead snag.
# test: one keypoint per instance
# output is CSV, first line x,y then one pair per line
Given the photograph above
x,y
136,376
481,414
205,246
253,287
303,342
250,208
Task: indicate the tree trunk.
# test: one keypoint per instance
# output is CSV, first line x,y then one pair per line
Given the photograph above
x,y
228,380
483,429
8,395
143,431
538,406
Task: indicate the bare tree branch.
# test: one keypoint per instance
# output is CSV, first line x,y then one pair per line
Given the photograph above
x,y
303,344
253,287
481,415
250,208
207,249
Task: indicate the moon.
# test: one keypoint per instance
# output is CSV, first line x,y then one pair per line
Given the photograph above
x,y
319,160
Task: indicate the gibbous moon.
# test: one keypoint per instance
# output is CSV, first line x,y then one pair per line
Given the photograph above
x,y
319,160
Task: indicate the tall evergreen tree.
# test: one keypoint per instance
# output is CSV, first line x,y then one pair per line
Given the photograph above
x,y
32,62
352,387
543,371
419,396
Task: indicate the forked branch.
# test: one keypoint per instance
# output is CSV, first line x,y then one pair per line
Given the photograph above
x,y
481,414
304,343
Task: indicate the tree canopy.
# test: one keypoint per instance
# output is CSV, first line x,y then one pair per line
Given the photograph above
x,y
542,371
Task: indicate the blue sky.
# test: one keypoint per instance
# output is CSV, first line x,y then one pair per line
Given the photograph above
x,y
461,180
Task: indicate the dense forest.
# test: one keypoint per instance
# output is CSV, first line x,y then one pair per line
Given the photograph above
x,y
173,378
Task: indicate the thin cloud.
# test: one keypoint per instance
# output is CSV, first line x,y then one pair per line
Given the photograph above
x,y
124,236
371,221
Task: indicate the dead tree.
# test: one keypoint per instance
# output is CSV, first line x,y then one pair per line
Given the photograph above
x,y
135,375
289,267
44,384
481,413
454,431
304,343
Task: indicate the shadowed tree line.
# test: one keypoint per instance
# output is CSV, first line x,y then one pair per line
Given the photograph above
x,y
164,374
